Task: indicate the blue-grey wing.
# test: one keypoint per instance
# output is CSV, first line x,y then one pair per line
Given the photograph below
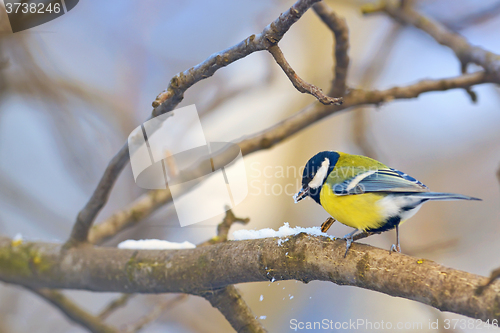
x,y
382,180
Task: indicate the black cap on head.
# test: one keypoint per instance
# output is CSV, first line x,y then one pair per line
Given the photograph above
x,y
311,169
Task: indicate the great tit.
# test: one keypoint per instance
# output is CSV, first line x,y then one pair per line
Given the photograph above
x,y
365,194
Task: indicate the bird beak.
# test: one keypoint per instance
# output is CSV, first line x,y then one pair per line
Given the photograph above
x,y
304,192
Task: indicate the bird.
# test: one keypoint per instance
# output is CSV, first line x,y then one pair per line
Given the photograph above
x,y
364,194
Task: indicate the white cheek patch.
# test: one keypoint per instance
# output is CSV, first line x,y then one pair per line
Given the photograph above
x,y
320,176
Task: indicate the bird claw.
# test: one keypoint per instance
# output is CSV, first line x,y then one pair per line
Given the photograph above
x,y
395,248
348,240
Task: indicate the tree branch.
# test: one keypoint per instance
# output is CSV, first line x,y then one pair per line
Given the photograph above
x,y
73,311
299,83
227,299
230,303
138,210
271,35
413,91
116,304
148,203
224,226
494,275
173,95
360,126
263,140
465,52
340,31
35,263
197,270
153,315
473,18
99,198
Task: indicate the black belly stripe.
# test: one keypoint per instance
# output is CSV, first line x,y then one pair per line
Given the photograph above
x,y
391,223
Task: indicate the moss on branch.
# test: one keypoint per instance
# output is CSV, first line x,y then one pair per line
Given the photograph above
x,y
195,271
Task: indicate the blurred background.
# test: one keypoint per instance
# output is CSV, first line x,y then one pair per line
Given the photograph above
x,y
71,91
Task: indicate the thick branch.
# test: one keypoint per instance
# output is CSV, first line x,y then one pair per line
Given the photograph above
x,y
148,203
340,31
173,95
73,311
197,270
465,52
299,83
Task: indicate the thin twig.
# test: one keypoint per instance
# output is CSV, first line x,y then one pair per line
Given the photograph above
x,y
465,52
270,36
173,95
299,83
227,299
360,129
474,18
377,97
73,311
498,175
114,305
87,215
340,31
494,275
157,312
228,92
230,303
136,211
224,226
468,90
148,203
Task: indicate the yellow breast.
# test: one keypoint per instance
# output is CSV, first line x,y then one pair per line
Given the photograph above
x,y
357,211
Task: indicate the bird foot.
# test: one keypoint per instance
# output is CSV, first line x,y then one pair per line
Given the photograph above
x,y
395,248
348,239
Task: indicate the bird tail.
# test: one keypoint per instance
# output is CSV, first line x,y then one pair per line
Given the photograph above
x,y
443,196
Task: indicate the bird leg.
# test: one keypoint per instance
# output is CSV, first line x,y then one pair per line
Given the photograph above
x,y
327,224
396,248
349,239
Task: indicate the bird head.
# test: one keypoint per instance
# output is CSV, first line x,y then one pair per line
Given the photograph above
x,y
315,173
